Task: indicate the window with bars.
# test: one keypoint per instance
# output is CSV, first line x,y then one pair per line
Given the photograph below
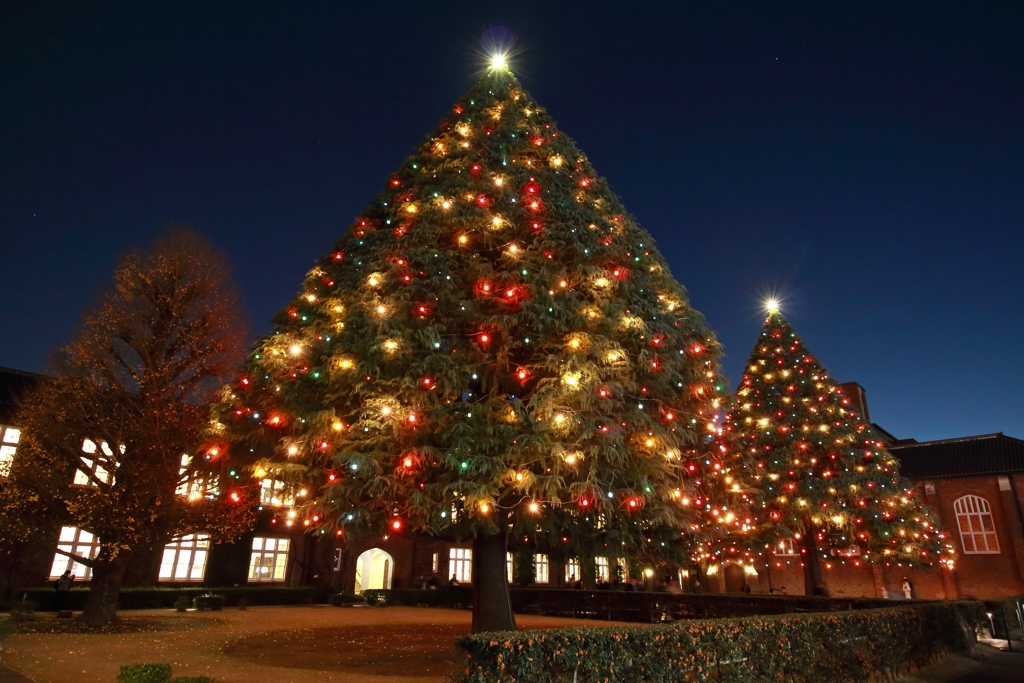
x,y
9,438
269,561
77,542
184,558
460,564
541,569
572,570
277,493
601,569
977,528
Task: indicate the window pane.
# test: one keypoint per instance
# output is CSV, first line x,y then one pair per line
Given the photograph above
x,y
254,565
281,566
198,565
282,545
167,563
12,435
257,543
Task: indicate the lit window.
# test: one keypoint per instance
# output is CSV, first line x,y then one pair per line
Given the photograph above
x,y
185,558
77,542
541,569
460,564
620,564
572,570
785,547
94,469
977,530
601,568
9,438
194,486
434,562
273,492
10,435
508,566
269,561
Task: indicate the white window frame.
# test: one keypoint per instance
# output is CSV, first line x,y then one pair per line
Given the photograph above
x,y
269,560
785,548
602,571
572,570
184,559
975,510
460,564
77,542
541,569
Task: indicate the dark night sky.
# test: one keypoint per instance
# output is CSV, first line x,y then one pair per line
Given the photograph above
x,y
867,163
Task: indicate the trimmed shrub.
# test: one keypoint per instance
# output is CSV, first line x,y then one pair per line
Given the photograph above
x,y
208,603
7,627
165,598
377,598
824,647
182,604
192,679
344,599
145,673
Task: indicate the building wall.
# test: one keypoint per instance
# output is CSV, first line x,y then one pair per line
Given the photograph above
x,y
983,575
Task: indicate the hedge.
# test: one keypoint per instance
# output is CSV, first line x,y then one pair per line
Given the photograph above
x,y
826,647
157,598
642,607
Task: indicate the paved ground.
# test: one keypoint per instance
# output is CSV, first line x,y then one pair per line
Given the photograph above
x,y
987,666
324,645
355,645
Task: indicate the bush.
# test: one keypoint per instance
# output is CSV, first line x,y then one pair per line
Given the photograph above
x,y
156,673
165,598
825,647
208,603
7,627
344,599
145,673
377,598
182,604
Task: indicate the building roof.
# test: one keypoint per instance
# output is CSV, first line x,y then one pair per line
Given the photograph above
x,y
13,385
969,456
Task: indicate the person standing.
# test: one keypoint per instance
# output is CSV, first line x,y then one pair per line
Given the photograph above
x,y
908,589
63,588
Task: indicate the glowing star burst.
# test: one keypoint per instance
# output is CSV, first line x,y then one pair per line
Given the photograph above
x,y
499,60
772,305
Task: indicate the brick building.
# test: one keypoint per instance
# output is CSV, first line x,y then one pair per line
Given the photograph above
x,y
975,484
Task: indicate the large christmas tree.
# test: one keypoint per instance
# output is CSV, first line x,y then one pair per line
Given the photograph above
x,y
825,476
494,346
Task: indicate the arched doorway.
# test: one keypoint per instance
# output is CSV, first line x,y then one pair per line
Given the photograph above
x,y
373,570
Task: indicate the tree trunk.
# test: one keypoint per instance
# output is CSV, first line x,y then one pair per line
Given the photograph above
x,y
812,567
492,604
101,603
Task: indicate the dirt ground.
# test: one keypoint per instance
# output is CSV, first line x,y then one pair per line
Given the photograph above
x,y
282,644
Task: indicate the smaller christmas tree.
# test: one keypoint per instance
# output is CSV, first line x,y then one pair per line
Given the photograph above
x,y
826,477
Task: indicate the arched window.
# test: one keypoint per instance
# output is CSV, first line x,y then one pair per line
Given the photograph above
x,y
977,530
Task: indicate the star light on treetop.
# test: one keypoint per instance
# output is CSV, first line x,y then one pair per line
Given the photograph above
x,y
772,305
499,60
